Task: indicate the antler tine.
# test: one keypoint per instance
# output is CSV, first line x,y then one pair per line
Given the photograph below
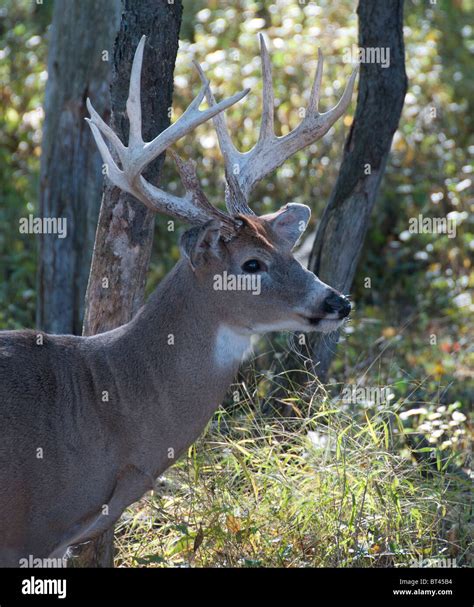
x,y
266,127
114,173
97,121
341,106
313,104
225,142
235,199
134,106
194,206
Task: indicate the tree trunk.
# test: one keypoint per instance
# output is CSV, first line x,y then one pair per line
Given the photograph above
x,y
345,220
125,231
71,180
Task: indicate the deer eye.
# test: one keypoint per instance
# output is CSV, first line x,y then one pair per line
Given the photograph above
x,y
253,265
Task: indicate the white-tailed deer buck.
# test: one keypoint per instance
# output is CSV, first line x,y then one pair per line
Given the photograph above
x,y
72,459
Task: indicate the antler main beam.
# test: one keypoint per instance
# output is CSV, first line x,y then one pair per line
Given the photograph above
x,y
194,206
245,169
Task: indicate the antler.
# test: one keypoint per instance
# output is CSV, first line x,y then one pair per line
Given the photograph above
x,y
244,169
193,207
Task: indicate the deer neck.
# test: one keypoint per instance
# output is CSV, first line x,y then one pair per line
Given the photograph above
x,y
190,325
176,359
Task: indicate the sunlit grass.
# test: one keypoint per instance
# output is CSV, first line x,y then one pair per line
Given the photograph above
x,y
326,489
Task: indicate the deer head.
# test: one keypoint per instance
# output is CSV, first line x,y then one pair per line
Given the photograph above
x,y
242,261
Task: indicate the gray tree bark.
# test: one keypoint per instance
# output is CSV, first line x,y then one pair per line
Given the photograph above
x,y
125,230
345,220
70,177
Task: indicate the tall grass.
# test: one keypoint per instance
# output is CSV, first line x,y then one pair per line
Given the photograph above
x,y
323,489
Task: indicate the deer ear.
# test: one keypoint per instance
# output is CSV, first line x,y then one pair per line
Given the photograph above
x,y
290,221
200,242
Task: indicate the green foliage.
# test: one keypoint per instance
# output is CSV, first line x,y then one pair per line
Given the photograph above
x,y
23,76
329,489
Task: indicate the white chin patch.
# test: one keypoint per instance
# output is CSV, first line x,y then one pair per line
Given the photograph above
x,y
327,326
323,326
283,325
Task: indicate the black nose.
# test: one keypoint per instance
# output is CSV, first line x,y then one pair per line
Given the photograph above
x,y
335,303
